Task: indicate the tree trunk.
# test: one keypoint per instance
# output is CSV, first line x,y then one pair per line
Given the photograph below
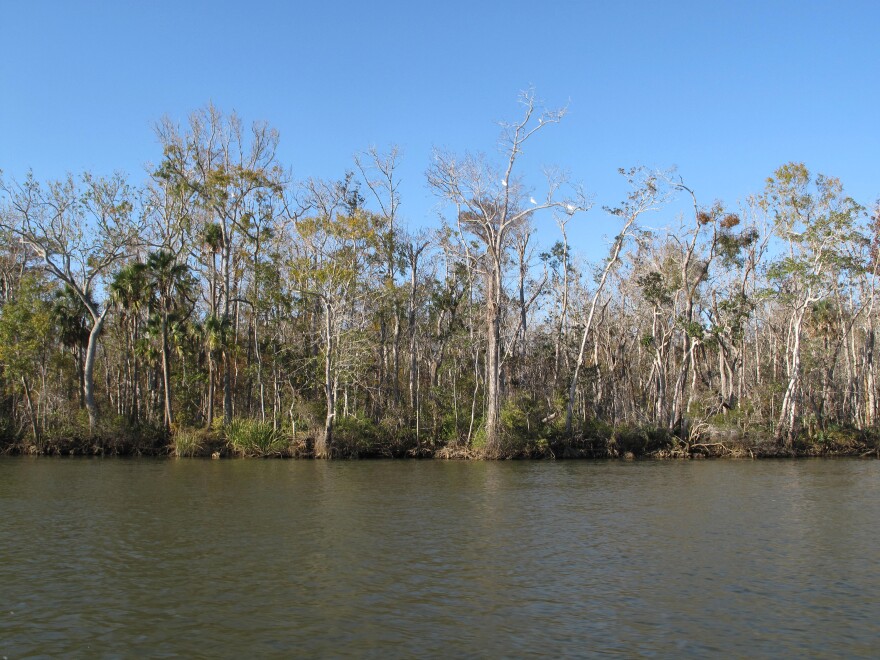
x,y
227,388
572,389
226,268
89,370
493,364
786,426
324,444
166,375
81,373
411,329
870,383
210,402
31,414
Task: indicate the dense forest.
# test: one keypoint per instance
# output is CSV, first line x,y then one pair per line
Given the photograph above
x,y
223,308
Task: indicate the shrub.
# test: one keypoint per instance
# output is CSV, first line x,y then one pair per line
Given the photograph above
x,y
353,437
521,431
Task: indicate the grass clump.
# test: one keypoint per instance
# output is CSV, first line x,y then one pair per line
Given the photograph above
x,y
186,443
251,437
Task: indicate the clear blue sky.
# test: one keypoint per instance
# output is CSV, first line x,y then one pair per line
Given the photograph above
x,y
725,91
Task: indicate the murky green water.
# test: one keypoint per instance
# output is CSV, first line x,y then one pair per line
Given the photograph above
x,y
281,558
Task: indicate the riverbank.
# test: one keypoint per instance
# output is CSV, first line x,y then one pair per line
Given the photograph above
x,y
253,440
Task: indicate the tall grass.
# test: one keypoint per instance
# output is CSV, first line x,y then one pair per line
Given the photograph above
x,y
250,437
186,443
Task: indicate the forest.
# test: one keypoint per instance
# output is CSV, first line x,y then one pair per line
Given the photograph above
x,y
223,308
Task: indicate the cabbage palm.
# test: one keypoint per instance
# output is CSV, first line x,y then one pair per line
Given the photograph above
x,y
71,318
129,293
215,332
168,280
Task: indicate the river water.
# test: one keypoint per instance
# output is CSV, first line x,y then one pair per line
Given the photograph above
x,y
157,558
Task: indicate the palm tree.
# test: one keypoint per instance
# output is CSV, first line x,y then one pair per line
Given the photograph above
x,y
70,317
129,293
168,280
215,332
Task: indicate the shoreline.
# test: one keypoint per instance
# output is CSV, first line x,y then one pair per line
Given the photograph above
x,y
596,449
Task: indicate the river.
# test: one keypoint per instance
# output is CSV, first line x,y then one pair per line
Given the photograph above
x,y
117,557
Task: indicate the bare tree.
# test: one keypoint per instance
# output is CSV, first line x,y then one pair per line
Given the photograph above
x,y
645,196
489,202
379,172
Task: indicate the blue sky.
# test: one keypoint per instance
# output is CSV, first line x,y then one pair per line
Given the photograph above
x,y
725,91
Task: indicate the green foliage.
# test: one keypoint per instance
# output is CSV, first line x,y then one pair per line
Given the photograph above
x,y
275,301
522,434
187,442
639,441
837,437
692,329
72,427
251,437
515,423
26,330
70,317
354,437
817,221
478,441
735,313
654,288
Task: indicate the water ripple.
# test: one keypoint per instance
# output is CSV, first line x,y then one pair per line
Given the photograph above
x,y
116,558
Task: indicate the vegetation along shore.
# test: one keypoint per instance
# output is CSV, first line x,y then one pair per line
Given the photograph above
x,y
223,308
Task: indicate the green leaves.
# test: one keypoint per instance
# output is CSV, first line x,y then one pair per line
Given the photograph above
x,y
819,225
27,330
654,288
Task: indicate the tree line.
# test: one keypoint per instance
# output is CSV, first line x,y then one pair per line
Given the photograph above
x,y
222,295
